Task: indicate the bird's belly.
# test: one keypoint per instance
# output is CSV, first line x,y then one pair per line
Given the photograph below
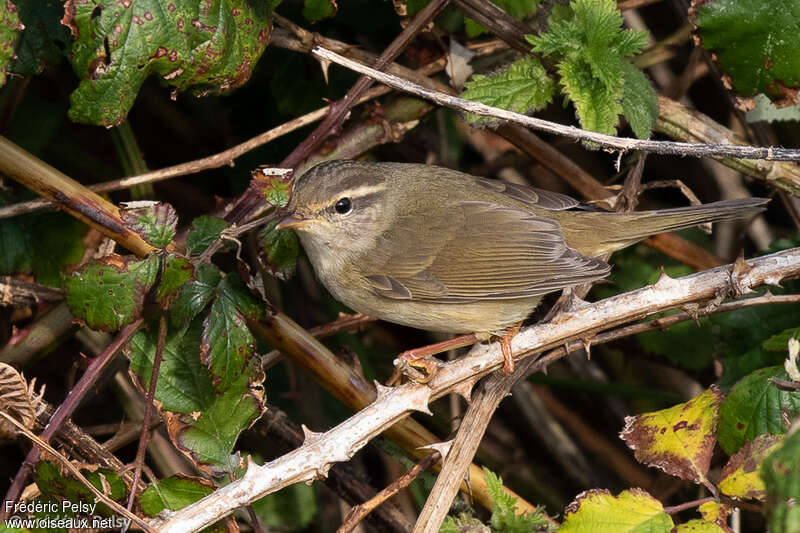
x,y
485,316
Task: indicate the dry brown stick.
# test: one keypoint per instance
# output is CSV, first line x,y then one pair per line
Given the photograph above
x,y
357,513
16,293
77,473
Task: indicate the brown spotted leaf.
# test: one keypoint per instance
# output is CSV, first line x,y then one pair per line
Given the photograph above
x,y
678,440
740,476
598,510
154,221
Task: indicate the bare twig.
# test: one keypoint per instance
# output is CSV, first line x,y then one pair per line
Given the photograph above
x,y
357,513
65,410
607,141
321,450
16,293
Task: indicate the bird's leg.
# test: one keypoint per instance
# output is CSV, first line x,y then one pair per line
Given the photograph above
x,y
419,362
505,346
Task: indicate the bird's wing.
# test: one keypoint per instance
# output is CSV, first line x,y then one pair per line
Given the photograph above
x,y
534,197
475,251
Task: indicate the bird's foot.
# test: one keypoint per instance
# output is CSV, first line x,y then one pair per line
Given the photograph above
x,y
419,366
505,346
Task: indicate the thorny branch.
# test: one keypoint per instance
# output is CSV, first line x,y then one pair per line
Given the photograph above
x,y
583,321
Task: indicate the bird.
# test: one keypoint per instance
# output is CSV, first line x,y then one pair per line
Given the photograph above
x,y
441,250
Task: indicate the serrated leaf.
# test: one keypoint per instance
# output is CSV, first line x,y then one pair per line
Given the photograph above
x,y
781,474
274,189
754,42
109,293
233,288
155,222
598,105
639,101
316,10
278,251
43,39
523,87
504,509
195,295
10,28
202,421
754,406
176,273
205,230
227,345
679,440
209,47
740,477
174,493
633,510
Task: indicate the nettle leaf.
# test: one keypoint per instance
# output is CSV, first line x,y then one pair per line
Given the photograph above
x,y
679,440
43,39
208,46
316,10
109,293
599,510
740,477
591,49
523,87
504,509
755,44
755,406
10,28
154,221
203,421
195,295
176,273
639,101
781,474
205,230
278,251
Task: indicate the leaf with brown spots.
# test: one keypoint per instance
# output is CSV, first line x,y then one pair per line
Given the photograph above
x,y
740,476
209,46
599,510
678,440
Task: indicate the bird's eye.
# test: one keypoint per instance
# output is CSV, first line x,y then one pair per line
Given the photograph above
x,y
343,206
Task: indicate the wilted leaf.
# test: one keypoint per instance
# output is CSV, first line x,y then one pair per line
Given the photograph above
x,y
205,230
274,189
278,251
740,477
109,293
755,406
210,47
781,474
633,510
678,440
154,221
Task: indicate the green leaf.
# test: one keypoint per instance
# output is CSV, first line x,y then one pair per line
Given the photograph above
x,y
781,474
233,288
56,486
518,9
316,10
293,507
203,421
227,345
43,39
698,525
639,101
109,293
274,189
10,28
679,440
278,251
591,49
779,342
523,87
205,230
195,295
154,221
174,493
632,511
754,406
210,47
176,273
754,42
504,509
44,244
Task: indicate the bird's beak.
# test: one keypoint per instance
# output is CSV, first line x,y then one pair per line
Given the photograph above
x,y
292,221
